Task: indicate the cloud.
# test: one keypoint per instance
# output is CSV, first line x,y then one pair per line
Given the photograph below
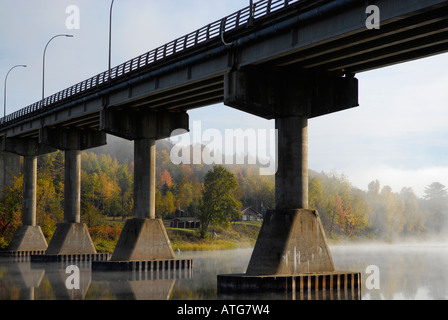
x,y
398,134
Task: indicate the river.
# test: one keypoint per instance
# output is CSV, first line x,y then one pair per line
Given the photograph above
x,y
389,272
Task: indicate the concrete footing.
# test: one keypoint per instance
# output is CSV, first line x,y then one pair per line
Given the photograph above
x,y
143,240
291,242
292,259
46,258
153,265
28,239
71,238
312,286
20,256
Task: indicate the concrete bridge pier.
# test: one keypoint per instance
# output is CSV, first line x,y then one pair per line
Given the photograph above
x,y
29,236
292,239
71,236
291,243
144,237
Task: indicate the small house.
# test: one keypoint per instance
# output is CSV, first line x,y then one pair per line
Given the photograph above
x,y
250,214
185,223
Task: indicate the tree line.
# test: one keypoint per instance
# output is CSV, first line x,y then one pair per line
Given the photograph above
x,y
378,212
107,190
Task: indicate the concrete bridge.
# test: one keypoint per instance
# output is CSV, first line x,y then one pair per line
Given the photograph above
x,y
288,60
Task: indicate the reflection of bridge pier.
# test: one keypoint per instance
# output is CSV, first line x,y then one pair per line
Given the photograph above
x,y
57,277
138,284
26,277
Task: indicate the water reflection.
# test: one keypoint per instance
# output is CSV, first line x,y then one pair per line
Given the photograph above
x,y
18,279
406,272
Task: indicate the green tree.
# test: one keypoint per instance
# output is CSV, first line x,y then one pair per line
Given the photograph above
x,y
219,205
314,193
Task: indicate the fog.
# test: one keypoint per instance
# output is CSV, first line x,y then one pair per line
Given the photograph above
x,y
414,271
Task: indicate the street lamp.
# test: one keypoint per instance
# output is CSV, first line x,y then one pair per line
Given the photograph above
x,y
110,37
43,64
6,78
251,12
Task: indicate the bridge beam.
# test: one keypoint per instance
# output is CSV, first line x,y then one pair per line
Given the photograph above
x,y
281,92
292,238
71,138
132,124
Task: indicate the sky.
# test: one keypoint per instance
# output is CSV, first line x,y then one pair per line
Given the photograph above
x,y
398,135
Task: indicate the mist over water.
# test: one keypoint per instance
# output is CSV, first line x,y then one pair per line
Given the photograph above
x,y
407,271
413,270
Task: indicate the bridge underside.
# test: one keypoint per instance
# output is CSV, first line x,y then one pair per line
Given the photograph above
x,y
294,66
330,39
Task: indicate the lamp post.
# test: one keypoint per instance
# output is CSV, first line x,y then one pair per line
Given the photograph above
x,y
6,78
251,12
43,64
110,38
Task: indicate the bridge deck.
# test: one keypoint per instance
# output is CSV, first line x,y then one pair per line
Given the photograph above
x,y
187,73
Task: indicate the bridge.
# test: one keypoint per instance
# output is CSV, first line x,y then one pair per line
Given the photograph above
x,y
288,60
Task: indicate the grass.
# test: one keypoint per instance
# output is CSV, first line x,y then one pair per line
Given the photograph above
x,y
239,235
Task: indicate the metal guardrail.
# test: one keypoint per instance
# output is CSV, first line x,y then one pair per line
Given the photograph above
x,y
211,31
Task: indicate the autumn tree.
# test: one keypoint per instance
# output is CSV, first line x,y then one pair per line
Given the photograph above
x,y
415,216
10,211
314,193
219,205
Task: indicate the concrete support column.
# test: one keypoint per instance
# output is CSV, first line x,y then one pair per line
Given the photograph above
x,y
291,179
10,167
29,191
145,179
29,236
143,238
71,236
72,187
292,239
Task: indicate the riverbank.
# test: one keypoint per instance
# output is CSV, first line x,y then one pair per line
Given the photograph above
x,y
240,234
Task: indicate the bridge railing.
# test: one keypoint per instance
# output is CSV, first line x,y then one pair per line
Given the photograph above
x,y
211,31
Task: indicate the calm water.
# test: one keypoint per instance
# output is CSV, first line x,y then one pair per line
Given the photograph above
x,y
405,272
